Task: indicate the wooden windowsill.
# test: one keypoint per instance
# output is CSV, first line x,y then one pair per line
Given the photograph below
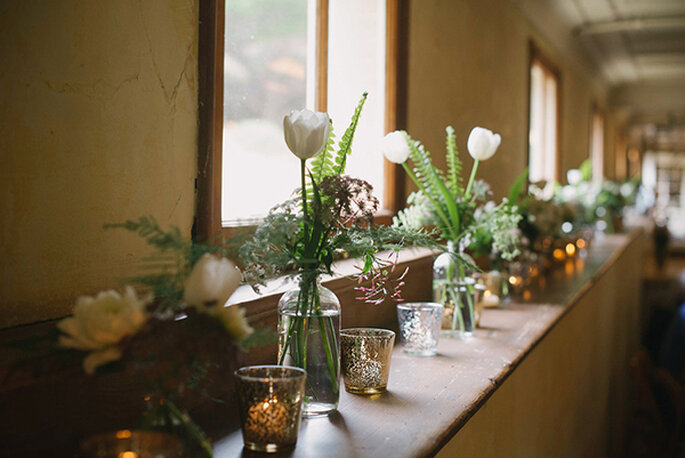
x,y
430,399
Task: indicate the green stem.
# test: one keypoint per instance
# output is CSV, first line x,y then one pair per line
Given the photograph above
x,y
304,197
471,178
442,215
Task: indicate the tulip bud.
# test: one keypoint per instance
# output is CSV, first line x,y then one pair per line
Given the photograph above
x,y
395,147
482,143
306,132
211,282
574,176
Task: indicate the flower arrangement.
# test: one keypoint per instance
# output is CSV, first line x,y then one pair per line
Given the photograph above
x,y
173,336
330,214
460,213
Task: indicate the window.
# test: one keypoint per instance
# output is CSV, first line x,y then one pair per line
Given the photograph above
x,y
597,146
280,56
544,120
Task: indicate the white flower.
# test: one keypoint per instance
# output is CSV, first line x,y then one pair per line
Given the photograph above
x,y
568,193
482,143
211,282
232,319
99,323
395,148
306,132
574,176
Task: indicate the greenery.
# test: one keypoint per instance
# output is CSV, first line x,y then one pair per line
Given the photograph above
x,y
459,213
332,214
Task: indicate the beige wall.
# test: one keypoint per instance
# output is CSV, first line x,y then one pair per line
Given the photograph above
x,y
468,65
98,123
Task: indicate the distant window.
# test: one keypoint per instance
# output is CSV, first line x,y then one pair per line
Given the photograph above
x,y
597,146
542,138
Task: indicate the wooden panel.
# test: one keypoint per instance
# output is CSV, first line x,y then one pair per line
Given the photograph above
x,y
569,396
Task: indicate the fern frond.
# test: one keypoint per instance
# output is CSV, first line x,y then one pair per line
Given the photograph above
x,y
148,228
322,165
453,162
345,144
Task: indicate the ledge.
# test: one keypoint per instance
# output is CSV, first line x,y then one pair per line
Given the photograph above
x,y
430,399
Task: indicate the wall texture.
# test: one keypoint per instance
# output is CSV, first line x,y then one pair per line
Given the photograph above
x,y
468,65
98,123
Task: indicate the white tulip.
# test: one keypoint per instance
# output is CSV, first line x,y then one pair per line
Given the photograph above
x,y
482,143
232,318
306,132
395,148
99,323
211,282
574,176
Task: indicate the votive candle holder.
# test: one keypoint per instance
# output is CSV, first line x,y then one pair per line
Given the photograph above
x,y
132,443
419,324
270,406
365,355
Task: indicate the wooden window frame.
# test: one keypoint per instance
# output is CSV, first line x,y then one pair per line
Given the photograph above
x,y
207,224
536,54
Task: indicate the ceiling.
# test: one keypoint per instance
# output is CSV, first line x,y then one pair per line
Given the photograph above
x,y
637,48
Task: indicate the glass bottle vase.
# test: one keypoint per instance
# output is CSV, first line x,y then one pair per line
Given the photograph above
x,y
309,331
457,292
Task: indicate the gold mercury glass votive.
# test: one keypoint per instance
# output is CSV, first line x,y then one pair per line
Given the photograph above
x,y
365,359
132,444
270,406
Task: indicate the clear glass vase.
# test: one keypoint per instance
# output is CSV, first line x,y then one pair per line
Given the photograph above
x,y
457,292
309,332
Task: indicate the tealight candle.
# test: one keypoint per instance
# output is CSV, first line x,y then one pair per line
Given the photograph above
x,y
270,404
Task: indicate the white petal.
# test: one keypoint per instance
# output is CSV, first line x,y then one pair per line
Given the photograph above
x,y
395,148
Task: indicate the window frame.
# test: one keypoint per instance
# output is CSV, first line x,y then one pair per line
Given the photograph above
x,y
207,223
535,54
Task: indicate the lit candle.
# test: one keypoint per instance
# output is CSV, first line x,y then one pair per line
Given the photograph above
x,y
267,422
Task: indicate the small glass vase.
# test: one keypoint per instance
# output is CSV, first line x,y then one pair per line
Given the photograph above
x,y
458,293
309,335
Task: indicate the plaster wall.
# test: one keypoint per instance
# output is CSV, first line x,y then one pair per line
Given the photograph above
x,y
98,124
468,65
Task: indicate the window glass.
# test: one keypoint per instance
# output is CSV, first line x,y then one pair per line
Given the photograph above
x,y
270,69
542,152
356,63
268,65
597,147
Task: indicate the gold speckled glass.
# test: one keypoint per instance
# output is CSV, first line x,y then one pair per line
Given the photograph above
x,y
270,406
127,443
365,359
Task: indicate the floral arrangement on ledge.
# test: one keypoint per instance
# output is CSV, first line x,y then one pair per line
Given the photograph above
x,y
174,336
330,214
462,214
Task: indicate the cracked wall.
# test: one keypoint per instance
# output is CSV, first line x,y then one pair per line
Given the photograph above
x,y
98,124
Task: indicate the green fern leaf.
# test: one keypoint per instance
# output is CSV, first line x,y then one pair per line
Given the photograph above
x,y
453,162
322,164
345,144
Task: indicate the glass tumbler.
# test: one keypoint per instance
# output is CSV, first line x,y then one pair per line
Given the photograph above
x,y
365,358
419,324
270,406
